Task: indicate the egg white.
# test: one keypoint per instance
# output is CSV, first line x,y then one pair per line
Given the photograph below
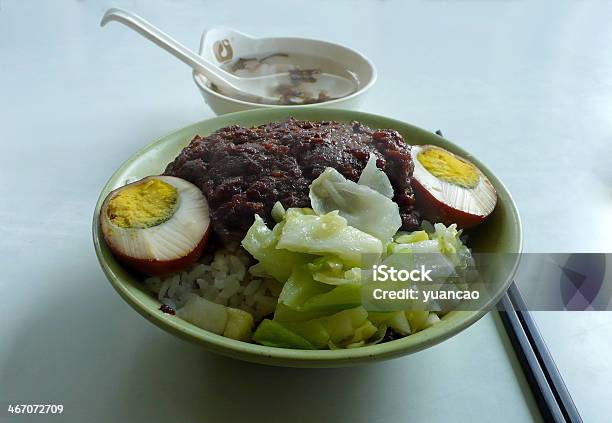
x,y
170,240
479,201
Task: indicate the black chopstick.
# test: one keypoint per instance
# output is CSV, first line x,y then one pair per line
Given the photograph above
x,y
553,398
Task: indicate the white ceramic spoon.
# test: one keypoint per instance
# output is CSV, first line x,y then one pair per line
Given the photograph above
x,y
256,88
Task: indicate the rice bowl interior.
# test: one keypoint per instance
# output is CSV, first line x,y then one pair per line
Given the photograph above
x,y
502,234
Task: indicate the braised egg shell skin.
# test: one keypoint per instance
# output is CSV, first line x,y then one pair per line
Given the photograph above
x,y
450,189
164,233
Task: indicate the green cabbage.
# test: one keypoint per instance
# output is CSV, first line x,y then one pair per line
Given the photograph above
x,y
437,248
300,287
274,334
363,208
204,314
396,320
278,212
339,298
373,177
327,235
302,293
261,243
318,258
342,325
313,331
417,319
449,239
284,313
361,335
408,238
331,270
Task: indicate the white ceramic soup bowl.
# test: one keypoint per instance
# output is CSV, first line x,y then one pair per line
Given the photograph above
x,y
222,45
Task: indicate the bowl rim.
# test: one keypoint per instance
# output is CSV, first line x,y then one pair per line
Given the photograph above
x,y
197,77
285,356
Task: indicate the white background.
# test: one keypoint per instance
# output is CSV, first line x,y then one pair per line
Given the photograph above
x,y
525,86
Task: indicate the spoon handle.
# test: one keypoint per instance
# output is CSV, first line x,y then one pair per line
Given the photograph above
x,y
214,74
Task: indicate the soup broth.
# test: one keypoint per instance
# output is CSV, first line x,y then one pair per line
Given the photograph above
x,y
308,78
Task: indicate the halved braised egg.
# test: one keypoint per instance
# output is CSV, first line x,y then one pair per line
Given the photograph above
x,y
450,189
157,225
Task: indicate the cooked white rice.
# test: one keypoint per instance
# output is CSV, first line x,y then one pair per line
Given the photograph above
x,y
223,278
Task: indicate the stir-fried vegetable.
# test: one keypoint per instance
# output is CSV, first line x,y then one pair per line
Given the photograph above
x,y
362,207
327,234
373,177
319,256
261,242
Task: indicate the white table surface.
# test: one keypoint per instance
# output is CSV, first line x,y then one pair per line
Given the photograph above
x,y
525,86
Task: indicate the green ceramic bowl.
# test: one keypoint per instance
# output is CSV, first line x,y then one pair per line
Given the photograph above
x,y
501,233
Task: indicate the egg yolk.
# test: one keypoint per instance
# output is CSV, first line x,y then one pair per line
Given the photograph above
x,y
449,168
143,205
